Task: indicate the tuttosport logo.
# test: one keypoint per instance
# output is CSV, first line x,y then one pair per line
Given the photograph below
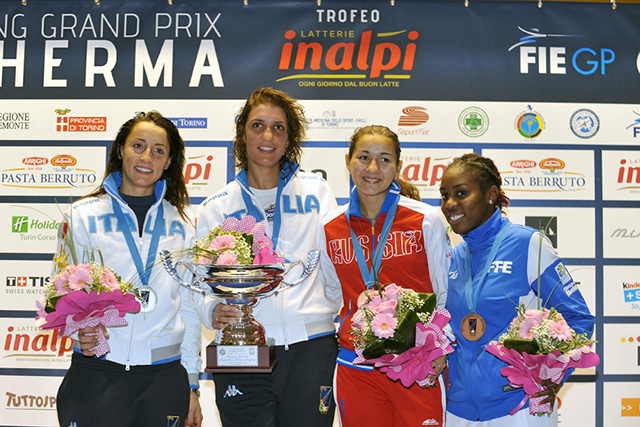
x,y
30,401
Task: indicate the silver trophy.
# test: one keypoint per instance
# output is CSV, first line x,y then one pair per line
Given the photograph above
x,y
243,345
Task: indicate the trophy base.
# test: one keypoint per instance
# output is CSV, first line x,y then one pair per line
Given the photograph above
x,y
250,359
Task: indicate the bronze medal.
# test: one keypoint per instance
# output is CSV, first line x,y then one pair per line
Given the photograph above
x,y
473,327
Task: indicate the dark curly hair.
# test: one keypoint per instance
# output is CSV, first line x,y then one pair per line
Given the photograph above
x,y
296,125
485,171
406,188
176,193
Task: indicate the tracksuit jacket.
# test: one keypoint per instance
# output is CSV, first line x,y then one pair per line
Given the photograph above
x,y
478,391
307,310
416,255
171,330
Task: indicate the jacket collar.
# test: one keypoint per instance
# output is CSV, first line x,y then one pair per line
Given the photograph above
x,y
354,206
113,182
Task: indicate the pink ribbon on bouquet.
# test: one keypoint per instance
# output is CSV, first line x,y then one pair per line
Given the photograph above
x,y
414,365
107,317
527,371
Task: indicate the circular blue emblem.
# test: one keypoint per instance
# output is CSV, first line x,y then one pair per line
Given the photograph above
x,y
584,123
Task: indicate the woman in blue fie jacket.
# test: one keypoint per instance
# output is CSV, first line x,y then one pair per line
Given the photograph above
x,y
483,306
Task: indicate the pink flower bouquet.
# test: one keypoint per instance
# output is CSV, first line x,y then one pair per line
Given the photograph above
x,y
539,345
401,332
236,242
86,295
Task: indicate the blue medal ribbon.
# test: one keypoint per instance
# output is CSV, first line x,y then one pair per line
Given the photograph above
x,y
472,301
144,272
368,275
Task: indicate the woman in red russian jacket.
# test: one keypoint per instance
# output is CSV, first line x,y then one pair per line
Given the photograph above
x,y
414,251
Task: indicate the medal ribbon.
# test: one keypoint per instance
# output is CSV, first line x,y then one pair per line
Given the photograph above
x,y
253,210
468,280
144,272
368,275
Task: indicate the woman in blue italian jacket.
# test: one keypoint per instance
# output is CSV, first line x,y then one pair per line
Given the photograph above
x,y
483,306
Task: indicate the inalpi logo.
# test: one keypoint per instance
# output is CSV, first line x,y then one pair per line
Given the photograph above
x,y
369,55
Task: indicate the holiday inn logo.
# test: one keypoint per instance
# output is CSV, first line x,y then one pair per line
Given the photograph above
x,y
19,224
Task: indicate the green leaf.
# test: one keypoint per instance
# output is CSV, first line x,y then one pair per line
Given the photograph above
x,y
522,345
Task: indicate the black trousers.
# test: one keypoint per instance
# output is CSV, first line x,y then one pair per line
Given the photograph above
x,y
99,393
299,392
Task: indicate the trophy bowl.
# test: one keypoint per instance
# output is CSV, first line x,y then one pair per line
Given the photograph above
x,y
241,286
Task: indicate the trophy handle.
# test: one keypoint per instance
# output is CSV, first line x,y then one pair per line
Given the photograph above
x,y
168,264
312,261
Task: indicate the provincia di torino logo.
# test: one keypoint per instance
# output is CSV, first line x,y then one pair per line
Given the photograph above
x,y
67,123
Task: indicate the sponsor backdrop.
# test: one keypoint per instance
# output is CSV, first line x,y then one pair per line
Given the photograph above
x,y
550,93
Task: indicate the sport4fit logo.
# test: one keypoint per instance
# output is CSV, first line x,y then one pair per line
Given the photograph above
x,y
411,117
232,391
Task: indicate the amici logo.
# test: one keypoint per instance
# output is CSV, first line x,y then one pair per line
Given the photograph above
x,y
554,59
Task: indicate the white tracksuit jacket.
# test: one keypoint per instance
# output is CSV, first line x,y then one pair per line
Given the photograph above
x,y
306,310
171,328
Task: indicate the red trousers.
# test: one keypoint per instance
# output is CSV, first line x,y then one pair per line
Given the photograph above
x,y
370,398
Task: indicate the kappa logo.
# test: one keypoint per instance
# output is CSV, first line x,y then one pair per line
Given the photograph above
x,y
430,422
232,391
